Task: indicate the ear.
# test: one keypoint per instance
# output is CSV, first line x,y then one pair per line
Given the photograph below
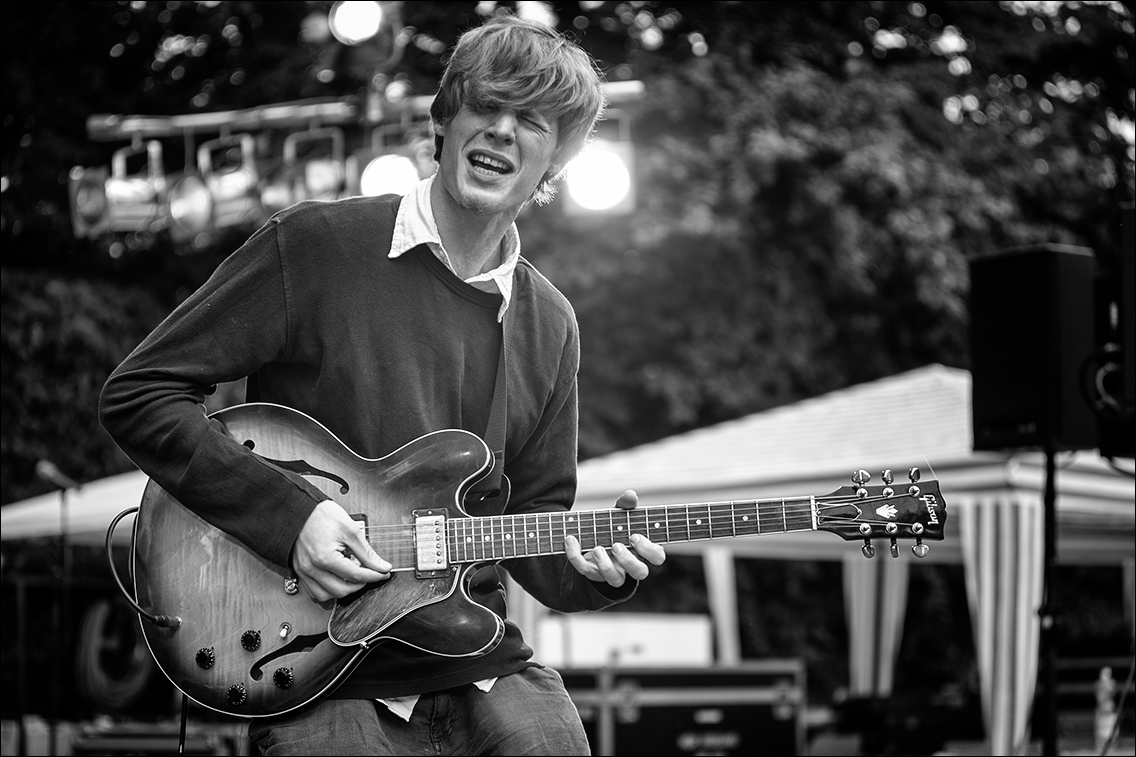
x,y
439,128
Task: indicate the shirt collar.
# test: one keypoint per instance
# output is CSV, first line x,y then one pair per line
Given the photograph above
x,y
415,225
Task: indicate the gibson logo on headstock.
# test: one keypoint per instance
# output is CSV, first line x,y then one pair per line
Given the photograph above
x,y
932,503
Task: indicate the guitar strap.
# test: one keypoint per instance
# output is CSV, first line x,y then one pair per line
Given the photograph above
x,y
490,487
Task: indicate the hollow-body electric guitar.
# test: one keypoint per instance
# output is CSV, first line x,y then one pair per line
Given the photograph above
x,y
247,641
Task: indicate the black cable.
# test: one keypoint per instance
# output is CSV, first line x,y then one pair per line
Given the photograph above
x,y
162,621
184,719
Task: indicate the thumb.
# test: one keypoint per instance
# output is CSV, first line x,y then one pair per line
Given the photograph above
x,y
628,500
361,548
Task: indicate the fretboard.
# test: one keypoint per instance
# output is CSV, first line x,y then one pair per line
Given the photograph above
x,y
502,537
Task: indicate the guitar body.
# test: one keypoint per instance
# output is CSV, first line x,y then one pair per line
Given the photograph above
x,y
251,642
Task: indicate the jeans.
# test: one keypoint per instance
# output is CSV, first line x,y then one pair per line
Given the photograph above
x,y
526,713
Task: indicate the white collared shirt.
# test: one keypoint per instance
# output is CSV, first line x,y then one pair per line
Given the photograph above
x,y
415,225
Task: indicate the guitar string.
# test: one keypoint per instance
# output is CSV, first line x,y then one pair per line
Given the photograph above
x,y
774,509
501,529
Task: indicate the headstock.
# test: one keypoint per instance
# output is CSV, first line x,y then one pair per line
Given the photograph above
x,y
915,510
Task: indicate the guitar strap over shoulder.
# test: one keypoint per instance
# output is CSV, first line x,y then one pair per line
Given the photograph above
x,y
490,487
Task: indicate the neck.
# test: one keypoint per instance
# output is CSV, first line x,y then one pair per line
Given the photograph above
x,y
472,240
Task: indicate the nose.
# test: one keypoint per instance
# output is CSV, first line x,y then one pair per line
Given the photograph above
x,y
503,126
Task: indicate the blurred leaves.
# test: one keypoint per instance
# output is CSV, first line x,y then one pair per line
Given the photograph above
x,y
812,176
59,339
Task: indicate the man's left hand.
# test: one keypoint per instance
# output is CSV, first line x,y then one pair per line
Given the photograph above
x,y
615,566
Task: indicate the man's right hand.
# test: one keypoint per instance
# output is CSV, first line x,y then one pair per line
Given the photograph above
x,y
332,558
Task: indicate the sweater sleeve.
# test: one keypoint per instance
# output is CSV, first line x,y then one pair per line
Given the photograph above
x,y
543,479
151,405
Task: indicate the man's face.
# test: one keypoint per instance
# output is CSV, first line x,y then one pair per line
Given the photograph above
x,y
492,160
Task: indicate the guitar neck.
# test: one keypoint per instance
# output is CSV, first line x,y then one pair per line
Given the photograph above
x,y
503,537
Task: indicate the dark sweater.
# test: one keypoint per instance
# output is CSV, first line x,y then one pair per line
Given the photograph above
x,y
380,351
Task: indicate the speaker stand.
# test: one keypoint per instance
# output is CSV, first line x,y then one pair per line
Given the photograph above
x,y
1048,610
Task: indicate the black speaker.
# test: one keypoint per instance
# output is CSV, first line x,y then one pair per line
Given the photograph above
x,y
1112,382
1031,336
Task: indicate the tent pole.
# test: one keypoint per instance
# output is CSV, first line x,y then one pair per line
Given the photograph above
x,y
1048,610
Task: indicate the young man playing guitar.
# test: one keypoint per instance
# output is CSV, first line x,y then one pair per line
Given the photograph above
x,y
387,319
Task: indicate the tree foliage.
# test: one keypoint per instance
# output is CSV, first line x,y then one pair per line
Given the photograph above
x,y
812,177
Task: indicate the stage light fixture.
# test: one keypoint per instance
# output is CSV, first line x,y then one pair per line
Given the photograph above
x,y
191,208
228,166
387,169
600,181
353,23
312,169
87,190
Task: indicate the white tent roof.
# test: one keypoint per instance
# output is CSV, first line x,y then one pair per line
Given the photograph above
x,y
89,511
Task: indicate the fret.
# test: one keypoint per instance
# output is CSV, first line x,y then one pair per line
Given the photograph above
x,y
678,526
721,520
621,526
767,516
746,521
532,541
507,547
698,522
455,530
515,536
583,527
484,538
601,528
497,537
638,522
658,529
545,534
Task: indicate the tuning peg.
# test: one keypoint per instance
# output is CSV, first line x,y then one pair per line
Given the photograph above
x,y
919,549
887,477
894,548
868,550
861,477
913,474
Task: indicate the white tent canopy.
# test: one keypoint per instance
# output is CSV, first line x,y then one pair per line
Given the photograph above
x,y
84,514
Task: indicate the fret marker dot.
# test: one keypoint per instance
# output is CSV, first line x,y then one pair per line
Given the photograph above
x,y
487,538
531,535
619,528
508,536
745,517
698,522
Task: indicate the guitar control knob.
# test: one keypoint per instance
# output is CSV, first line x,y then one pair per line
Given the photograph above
x,y
205,658
868,550
283,678
250,640
236,695
919,549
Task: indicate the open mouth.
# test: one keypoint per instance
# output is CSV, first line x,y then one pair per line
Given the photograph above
x,y
487,163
